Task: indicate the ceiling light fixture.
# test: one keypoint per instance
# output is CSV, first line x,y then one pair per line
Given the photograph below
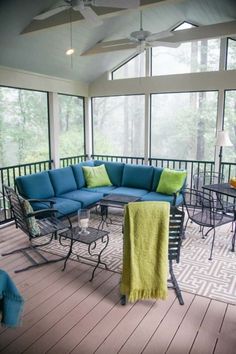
x,y
70,51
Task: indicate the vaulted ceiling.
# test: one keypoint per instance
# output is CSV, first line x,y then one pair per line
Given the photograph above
x,y
39,46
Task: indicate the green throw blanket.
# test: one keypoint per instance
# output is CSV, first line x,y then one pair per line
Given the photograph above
x,y
145,255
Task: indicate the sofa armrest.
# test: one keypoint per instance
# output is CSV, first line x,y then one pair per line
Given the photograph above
x,y
47,212
49,201
175,195
41,212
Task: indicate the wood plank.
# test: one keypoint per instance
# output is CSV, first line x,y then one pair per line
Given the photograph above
x,y
48,275
48,299
125,327
138,340
139,337
75,324
227,337
32,285
208,333
166,330
189,326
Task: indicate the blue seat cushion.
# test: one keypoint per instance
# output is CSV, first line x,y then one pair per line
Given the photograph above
x,y
84,197
158,197
78,173
37,185
137,176
156,177
64,206
135,192
114,171
63,180
104,190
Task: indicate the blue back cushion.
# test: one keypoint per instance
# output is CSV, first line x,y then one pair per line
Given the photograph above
x,y
114,170
137,176
78,173
63,180
156,177
37,185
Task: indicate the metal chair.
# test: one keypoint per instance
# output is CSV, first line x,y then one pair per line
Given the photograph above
x,y
206,177
45,224
211,177
176,229
201,209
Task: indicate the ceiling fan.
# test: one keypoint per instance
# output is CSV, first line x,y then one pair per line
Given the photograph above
x,y
84,7
140,40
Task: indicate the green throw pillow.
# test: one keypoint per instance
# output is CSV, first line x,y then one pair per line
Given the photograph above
x,y
171,181
96,176
31,222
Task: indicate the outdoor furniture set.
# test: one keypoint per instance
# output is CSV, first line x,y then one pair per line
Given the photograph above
x,y
69,192
58,193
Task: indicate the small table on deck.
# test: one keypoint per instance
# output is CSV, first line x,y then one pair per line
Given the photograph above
x,y
89,239
115,201
224,189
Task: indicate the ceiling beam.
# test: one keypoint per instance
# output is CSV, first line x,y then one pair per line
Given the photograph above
x,y
103,12
219,30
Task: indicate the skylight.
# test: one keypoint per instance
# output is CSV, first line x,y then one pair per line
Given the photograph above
x,y
184,25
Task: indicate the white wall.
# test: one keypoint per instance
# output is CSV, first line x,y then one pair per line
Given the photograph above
x,y
29,80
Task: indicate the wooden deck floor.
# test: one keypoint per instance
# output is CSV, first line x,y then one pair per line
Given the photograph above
x,y
66,313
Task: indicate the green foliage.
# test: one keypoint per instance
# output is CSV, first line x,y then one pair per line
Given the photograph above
x,y
24,126
71,114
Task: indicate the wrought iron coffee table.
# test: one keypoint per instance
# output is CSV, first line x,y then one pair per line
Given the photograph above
x,y
88,239
115,201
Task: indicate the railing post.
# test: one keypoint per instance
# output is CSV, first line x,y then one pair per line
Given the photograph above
x,y
88,127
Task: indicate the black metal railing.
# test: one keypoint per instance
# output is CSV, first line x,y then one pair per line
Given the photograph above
x,y
8,175
125,159
193,168
228,170
72,160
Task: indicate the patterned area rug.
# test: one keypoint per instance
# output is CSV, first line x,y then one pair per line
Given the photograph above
x,y
215,279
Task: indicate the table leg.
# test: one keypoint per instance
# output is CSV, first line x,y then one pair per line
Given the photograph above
x,y
104,216
68,254
92,246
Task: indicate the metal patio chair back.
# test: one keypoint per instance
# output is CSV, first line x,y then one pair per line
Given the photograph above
x,y
202,210
34,224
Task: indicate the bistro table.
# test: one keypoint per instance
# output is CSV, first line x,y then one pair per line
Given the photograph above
x,y
225,189
89,239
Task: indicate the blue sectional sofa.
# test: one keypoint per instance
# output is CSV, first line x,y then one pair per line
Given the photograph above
x,y
66,187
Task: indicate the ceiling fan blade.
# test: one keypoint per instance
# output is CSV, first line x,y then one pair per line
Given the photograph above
x,y
110,46
159,35
115,43
90,16
123,4
164,44
51,12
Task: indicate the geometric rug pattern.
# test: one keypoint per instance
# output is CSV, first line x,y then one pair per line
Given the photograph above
x,y
215,279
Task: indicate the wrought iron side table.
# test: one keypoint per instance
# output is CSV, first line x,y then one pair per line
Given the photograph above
x,y
89,239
